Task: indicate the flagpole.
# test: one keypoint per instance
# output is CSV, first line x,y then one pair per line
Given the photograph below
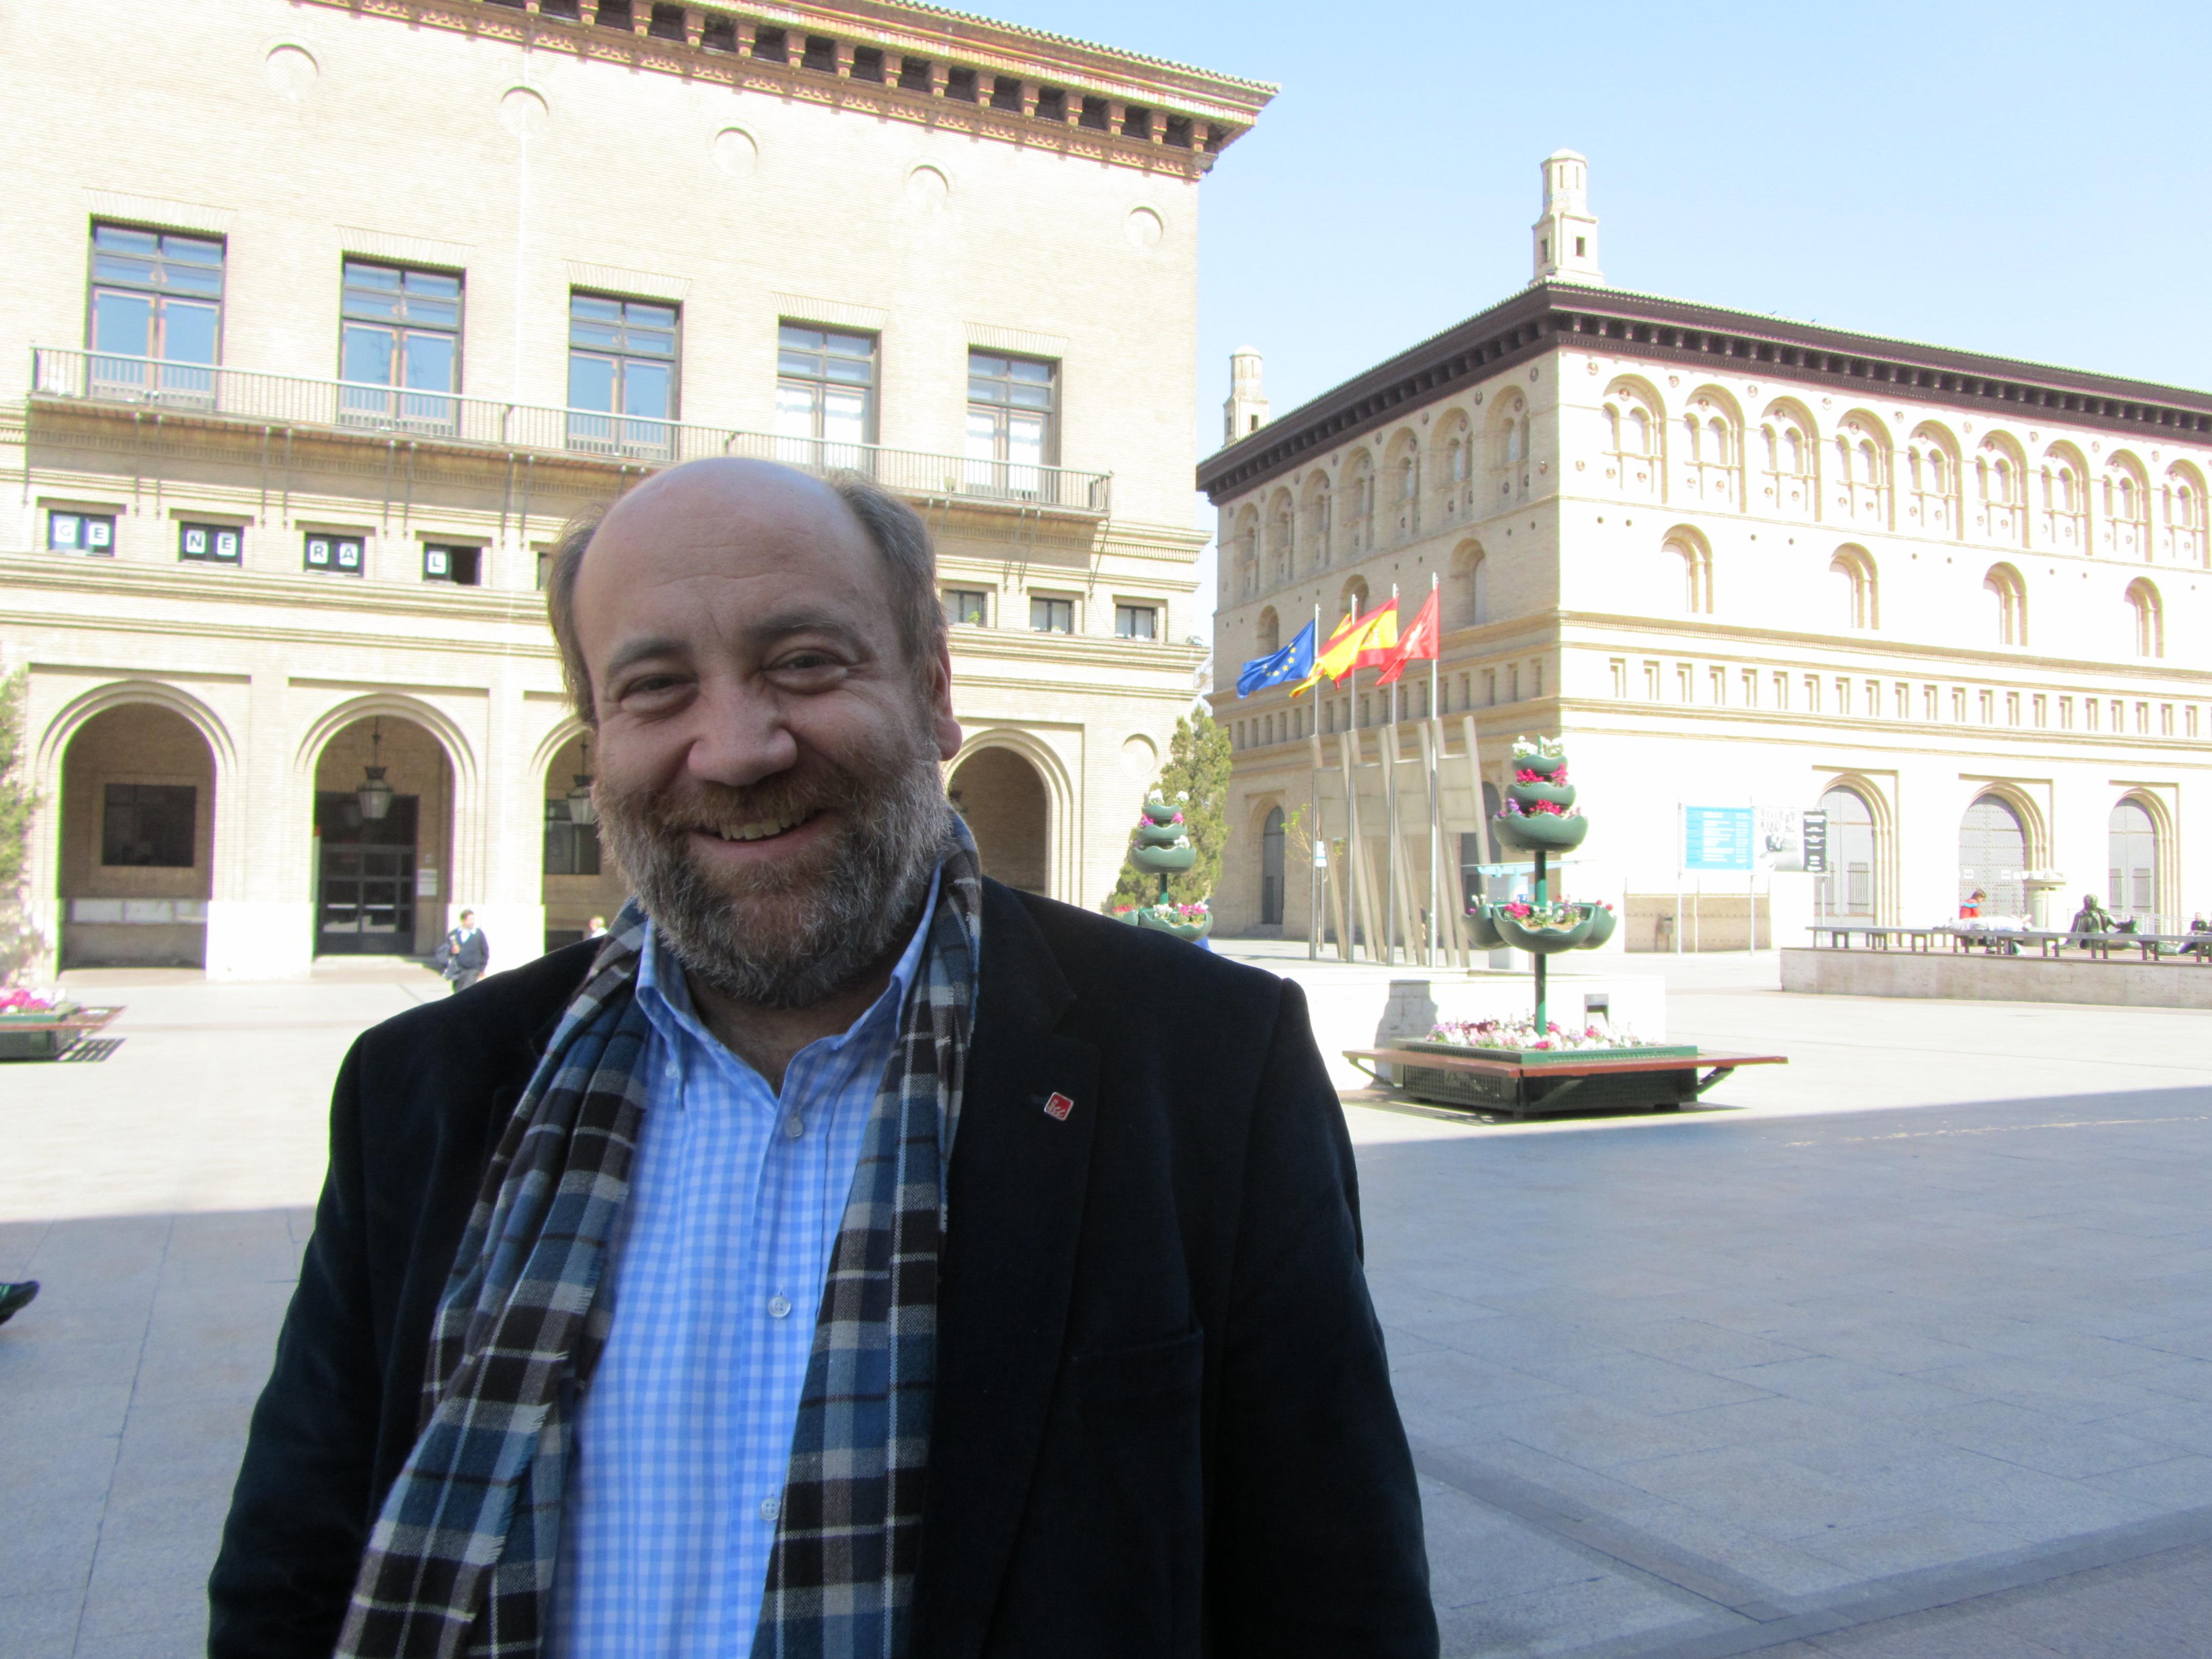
x,y
1436,826
1318,840
1390,788
1348,748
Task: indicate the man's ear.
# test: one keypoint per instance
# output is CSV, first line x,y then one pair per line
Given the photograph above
x,y
945,728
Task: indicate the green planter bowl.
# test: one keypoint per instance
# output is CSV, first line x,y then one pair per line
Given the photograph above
x,y
1602,922
1172,859
1543,766
1192,931
1528,794
1541,941
1482,928
1539,831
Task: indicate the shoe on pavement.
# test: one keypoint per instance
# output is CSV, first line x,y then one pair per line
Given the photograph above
x,y
17,1295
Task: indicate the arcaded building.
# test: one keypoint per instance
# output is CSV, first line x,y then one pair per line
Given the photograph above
x,y
1961,604
325,318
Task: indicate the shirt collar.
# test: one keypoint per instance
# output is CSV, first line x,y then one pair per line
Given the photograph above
x,y
666,996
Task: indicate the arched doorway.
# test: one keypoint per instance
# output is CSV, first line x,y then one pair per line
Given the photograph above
x,y
1845,891
1271,869
137,839
2132,837
579,881
384,812
1993,857
1003,799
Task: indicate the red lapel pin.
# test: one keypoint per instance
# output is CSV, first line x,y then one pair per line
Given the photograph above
x,y
1058,1107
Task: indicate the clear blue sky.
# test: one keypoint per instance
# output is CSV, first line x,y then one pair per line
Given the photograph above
x,y
2030,179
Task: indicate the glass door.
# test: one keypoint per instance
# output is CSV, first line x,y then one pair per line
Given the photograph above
x,y
365,879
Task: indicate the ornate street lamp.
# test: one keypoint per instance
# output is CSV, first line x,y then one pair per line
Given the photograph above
x,y
582,809
375,795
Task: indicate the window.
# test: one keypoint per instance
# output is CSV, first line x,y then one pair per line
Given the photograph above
x,y
622,361
825,396
868,64
1006,93
967,607
400,328
2147,620
92,533
1845,888
444,562
665,22
332,555
156,313
571,849
1053,616
2132,838
1051,104
1010,410
913,74
719,34
819,54
1136,622
148,826
960,83
2006,604
209,543
1095,115
771,45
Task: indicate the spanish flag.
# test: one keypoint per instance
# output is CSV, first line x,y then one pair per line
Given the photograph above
x,y
1356,642
1418,642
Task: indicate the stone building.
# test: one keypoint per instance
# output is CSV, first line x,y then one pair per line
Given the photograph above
x,y
326,316
1961,603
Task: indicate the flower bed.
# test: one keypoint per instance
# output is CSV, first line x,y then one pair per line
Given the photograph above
x,y
1521,1042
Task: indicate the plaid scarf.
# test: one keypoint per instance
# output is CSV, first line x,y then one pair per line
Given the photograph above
x,y
462,1556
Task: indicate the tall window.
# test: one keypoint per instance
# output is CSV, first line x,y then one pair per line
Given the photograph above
x,y
2147,620
571,849
1136,622
149,825
2132,837
825,396
2006,597
155,317
1053,616
1271,868
1012,408
400,328
621,361
1992,857
967,607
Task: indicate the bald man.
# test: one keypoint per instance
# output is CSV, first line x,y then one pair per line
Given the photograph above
x,y
845,1255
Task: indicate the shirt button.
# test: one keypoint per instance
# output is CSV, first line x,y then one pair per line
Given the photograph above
x,y
778,1306
794,1127
770,1509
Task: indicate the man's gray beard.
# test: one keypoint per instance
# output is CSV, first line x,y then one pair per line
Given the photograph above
x,y
897,827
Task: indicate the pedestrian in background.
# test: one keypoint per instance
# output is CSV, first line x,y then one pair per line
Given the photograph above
x,y
596,928
462,959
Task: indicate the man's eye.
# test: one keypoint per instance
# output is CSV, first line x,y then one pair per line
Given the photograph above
x,y
651,685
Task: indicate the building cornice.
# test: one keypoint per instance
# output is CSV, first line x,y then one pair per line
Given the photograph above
x,y
1220,107
1558,316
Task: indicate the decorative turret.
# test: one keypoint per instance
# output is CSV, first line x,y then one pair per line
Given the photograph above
x,y
1160,847
1245,410
1565,238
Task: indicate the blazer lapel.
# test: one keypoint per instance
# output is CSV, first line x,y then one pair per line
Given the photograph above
x,y
1015,1192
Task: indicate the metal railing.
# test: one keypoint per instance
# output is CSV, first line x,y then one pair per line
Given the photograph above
x,y
2178,945
383,412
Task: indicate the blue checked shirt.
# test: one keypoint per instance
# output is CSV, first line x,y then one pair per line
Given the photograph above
x,y
684,1436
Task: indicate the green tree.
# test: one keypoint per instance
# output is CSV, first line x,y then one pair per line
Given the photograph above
x,y
19,944
1197,770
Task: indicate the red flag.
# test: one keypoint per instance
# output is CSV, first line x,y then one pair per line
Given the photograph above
x,y
1419,641
1378,637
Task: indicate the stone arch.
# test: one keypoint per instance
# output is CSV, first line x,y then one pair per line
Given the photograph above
x,y
1634,439
577,878
1863,469
1245,551
1710,445
1859,591
1469,604
2008,605
1932,479
1507,437
1401,483
385,884
1027,816
1789,459
1839,893
1315,511
2001,489
2140,861
1988,844
2061,500
1270,635
1282,539
2182,513
136,817
2146,617
1451,466
2123,506
1693,558
1352,600
1357,501
1268,835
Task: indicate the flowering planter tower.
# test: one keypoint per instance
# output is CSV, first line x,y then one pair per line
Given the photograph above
x,y
1539,816
1160,847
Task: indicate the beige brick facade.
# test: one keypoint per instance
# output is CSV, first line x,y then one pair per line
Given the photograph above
x,y
1963,601
685,160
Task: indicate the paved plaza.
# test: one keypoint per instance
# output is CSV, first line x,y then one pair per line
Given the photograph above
x,y
1903,1350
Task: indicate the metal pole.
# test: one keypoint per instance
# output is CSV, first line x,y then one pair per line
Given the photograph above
x,y
1316,841
1434,758
1390,815
1349,755
1543,1012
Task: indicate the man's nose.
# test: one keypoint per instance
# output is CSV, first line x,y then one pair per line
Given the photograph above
x,y
739,737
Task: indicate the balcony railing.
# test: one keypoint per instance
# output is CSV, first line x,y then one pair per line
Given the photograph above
x,y
383,412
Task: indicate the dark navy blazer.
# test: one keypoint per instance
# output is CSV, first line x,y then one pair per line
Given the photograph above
x,y
1163,1422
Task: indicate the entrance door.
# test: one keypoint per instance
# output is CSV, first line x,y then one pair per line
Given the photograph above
x,y
365,879
1271,868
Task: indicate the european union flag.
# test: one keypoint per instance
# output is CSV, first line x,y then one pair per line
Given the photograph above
x,y
1293,663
